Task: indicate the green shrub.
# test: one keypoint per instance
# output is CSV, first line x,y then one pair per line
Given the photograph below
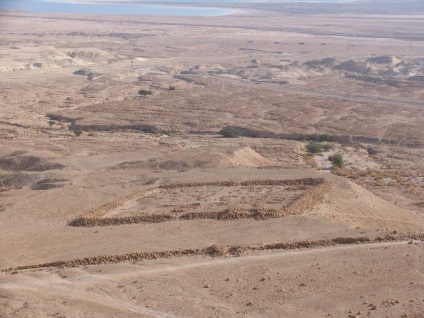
x,y
314,148
318,148
327,147
230,132
144,92
337,160
324,137
77,132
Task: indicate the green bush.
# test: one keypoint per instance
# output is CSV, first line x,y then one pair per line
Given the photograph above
x,y
318,148
337,160
326,147
324,137
144,92
314,148
77,132
230,132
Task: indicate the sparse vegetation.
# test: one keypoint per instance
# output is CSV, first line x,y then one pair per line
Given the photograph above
x,y
327,147
372,151
310,161
343,172
380,176
337,160
144,92
230,132
77,132
324,137
147,199
314,148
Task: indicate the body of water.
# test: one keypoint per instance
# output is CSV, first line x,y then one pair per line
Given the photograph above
x,y
139,8
106,8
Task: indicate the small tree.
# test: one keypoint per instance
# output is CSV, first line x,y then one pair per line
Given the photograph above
x,y
230,132
337,160
144,92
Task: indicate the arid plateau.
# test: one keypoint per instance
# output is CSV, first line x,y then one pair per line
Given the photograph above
x,y
264,163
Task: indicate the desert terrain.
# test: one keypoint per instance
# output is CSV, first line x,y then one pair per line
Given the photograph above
x,y
179,166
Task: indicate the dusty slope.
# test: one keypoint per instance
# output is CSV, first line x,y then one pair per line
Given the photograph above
x,y
33,232
247,157
351,204
305,283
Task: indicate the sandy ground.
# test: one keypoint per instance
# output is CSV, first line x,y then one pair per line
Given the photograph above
x,y
116,205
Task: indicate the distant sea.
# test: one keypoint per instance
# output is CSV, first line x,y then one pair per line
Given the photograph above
x,y
44,6
63,6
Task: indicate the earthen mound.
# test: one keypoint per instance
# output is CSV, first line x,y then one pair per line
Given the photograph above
x,y
353,66
212,158
327,62
351,204
47,184
384,60
15,181
27,163
247,157
89,54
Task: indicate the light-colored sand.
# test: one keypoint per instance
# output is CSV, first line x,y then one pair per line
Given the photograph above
x,y
248,158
